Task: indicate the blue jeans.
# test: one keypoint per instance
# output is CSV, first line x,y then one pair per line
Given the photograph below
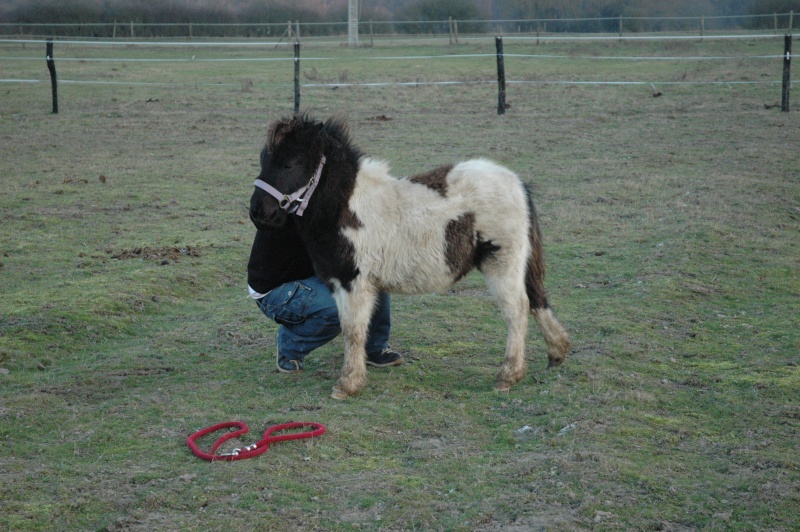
x,y
308,318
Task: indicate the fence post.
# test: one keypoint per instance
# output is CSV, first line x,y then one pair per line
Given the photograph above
x,y
352,22
620,28
450,26
371,34
702,27
787,79
132,30
51,66
297,77
501,77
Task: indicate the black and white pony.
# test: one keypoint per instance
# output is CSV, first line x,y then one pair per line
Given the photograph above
x,y
367,232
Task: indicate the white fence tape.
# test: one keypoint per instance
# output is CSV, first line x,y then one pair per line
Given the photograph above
x,y
257,44
396,83
389,58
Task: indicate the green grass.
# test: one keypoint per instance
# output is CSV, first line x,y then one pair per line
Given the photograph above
x,y
671,234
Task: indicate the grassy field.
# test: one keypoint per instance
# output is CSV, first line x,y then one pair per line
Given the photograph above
x,y
671,234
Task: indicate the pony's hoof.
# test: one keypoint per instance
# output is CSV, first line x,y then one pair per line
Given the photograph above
x,y
339,395
506,379
503,385
553,362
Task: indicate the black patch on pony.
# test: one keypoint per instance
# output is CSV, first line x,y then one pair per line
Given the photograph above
x,y
484,251
435,179
465,248
460,249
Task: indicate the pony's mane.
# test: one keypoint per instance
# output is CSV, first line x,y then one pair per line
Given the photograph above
x,y
332,136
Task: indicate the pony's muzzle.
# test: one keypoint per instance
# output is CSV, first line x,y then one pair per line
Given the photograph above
x,y
265,221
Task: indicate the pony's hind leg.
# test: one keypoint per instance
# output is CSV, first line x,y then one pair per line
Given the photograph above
x,y
555,336
514,364
509,290
355,311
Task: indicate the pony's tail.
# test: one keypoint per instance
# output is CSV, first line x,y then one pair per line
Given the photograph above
x,y
534,274
555,336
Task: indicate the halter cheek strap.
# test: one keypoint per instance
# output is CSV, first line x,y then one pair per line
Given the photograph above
x,y
296,202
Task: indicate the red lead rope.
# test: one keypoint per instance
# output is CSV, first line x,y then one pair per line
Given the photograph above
x,y
255,449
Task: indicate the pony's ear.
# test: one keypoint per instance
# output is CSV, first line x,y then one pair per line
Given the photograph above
x,y
276,134
336,129
335,134
337,126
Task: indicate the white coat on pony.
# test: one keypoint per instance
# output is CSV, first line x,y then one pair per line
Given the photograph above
x,y
402,255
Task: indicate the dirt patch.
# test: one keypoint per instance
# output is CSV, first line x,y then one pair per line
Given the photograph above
x,y
162,254
91,391
546,519
143,372
100,387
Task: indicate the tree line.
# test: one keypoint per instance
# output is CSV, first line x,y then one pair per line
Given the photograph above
x,y
320,11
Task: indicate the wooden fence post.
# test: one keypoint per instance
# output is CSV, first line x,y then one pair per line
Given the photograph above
x,y
371,34
501,77
787,78
450,26
297,77
51,66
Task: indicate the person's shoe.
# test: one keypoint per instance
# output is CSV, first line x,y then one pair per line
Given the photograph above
x,y
288,365
385,358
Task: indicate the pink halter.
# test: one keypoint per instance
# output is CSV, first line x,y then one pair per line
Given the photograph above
x,y
296,202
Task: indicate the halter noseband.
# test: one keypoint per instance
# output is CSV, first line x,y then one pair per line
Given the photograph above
x,y
296,202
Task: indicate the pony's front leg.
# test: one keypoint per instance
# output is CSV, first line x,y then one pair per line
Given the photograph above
x,y
355,311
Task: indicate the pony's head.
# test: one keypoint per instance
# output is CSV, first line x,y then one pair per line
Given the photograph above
x,y
292,163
